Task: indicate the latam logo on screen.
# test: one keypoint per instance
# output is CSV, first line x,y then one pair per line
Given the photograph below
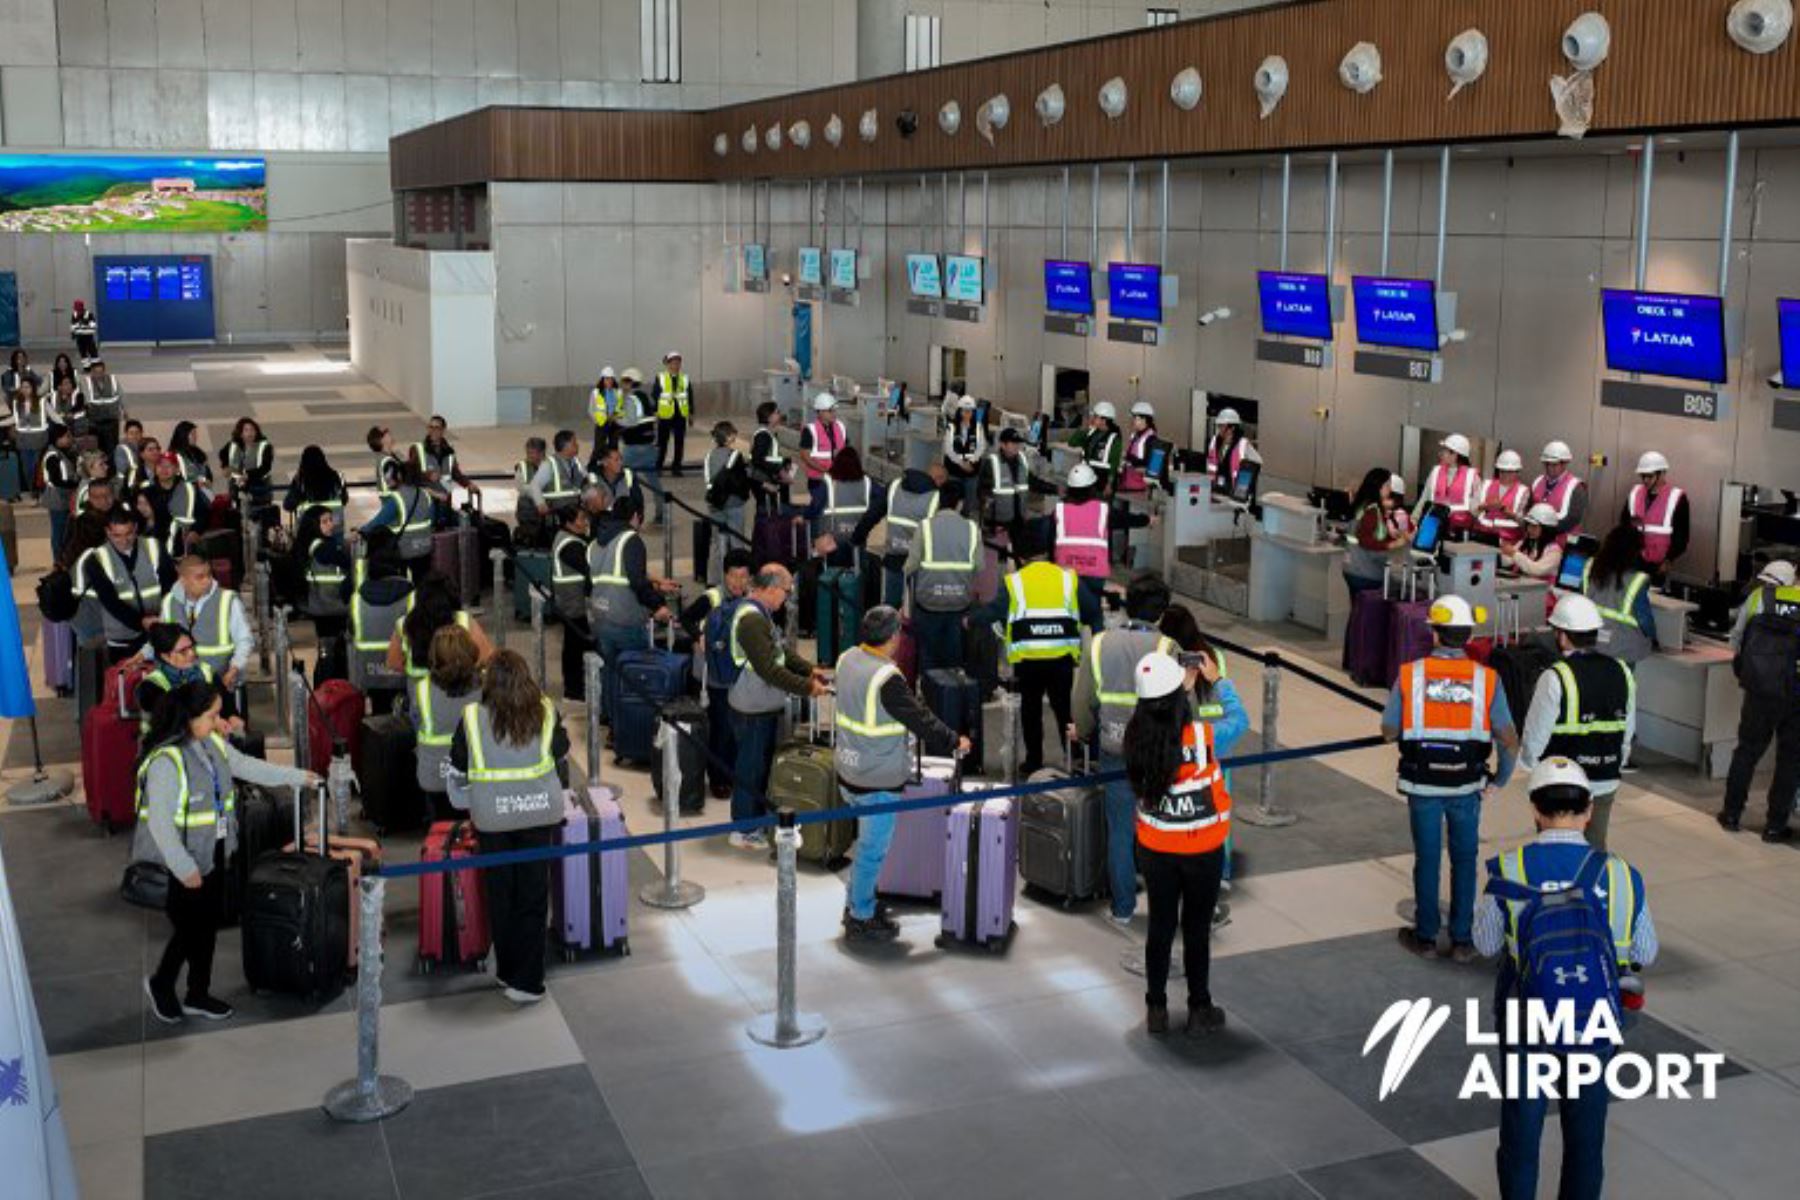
x,y
1662,337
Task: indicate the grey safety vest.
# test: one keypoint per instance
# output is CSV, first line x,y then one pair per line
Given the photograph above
x,y
611,602
950,553
1620,636
198,814
751,693
104,406
371,629
871,747
56,499
718,460
511,787
211,626
565,482
568,588
262,457
906,512
324,585
1113,658
846,504
1010,487
617,488
436,714
414,525
138,584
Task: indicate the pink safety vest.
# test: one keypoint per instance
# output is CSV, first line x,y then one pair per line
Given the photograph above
x,y
1556,495
1504,525
1656,517
1236,457
1081,542
1455,489
824,448
1132,479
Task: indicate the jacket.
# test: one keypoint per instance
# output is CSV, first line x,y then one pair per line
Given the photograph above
x,y
186,846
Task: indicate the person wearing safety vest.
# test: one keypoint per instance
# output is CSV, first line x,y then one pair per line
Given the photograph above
x,y
820,442
965,445
1554,863
380,440
1101,444
435,605
1766,660
249,460
622,597
725,474
672,392
1537,554
557,482
1500,515
1081,524
406,514
223,637
843,519
121,584
569,585
84,328
507,749
173,506
1137,447
128,456
768,672
1583,708
1561,490
188,825
708,622
1453,482
1006,487
381,594
613,480
328,569
940,573
1660,511
174,661
1183,819
60,483
316,484
528,527
440,697
636,421
1613,580
769,467
1449,714
31,427
879,717
1228,450
605,403
106,404
438,469
908,503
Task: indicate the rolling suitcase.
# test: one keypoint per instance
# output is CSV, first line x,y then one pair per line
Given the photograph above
x,y
804,778
839,611
296,920
956,699
109,748
453,917
456,555
914,866
1409,637
90,669
778,538
643,681
263,823
12,474
982,649
906,652
341,705
1519,667
590,894
59,656
531,567
690,749
1366,640
389,776
1062,838
981,867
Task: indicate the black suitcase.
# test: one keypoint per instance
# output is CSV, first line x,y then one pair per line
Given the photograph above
x,y
224,543
263,825
1519,667
1062,839
296,921
981,652
389,781
956,699
691,750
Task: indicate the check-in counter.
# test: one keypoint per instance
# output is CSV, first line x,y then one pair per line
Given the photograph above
x,y
1688,705
1299,581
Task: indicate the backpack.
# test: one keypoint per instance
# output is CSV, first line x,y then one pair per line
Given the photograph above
x,y
1767,665
1564,942
720,670
56,596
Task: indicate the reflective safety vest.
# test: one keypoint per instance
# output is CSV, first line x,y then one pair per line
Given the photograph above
x,y
183,509
1213,709
1008,487
262,457
751,693
827,440
846,504
139,585
187,816
565,481
203,807
1194,815
1131,479
1224,470
950,553
387,473
605,405
333,505
1557,495
371,629
615,489
1081,538
210,626
1598,692
1455,489
412,521
324,585
523,470
906,511
871,747
1505,522
568,587
1097,451
59,479
765,452
1530,865
158,677
443,462
1620,634
416,671
31,418
1113,658
436,714
511,787
1656,517
718,460
672,396
611,600
1444,733
1043,613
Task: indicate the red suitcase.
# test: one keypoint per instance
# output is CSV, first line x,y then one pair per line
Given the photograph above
x,y
341,704
109,748
453,917
906,653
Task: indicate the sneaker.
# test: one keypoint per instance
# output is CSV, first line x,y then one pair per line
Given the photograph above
x,y
1464,953
748,841
207,1008
1729,822
1773,834
1156,1021
1221,915
1123,922
856,929
1411,941
1204,1019
164,1005
522,998
1224,887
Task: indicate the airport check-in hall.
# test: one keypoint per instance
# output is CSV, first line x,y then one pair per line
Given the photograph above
x,y
686,598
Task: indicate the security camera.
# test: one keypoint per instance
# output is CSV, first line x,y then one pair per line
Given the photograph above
x,y
906,123
1217,314
1453,335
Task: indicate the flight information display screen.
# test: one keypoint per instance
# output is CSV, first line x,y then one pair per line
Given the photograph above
x,y
1295,305
1664,333
1397,313
1069,288
1134,291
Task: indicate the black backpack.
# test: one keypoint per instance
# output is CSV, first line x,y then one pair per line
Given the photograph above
x,y
56,596
1767,664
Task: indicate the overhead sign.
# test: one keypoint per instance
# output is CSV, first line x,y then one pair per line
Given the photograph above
x,y
1693,403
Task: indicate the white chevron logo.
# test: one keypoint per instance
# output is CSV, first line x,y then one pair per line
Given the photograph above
x,y
1413,1023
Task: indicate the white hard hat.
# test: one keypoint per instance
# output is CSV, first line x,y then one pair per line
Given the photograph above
x,y
1158,675
1780,573
1557,452
632,375
824,402
671,354
607,373
1544,515
966,404
1397,485
1143,408
1576,614
1559,772
1104,409
1651,463
1081,475
1458,443
1509,460
1453,612
1228,416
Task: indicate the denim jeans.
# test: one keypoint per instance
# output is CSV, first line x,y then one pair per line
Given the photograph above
x,y
59,531
1583,1121
612,642
893,585
755,734
1121,839
1430,816
873,837
940,637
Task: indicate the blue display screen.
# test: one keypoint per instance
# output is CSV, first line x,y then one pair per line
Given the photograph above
x,y
924,276
1662,333
1787,314
1134,292
140,283
1069,288
756,261
117,287
1401,313
812,266
1295,305
843,270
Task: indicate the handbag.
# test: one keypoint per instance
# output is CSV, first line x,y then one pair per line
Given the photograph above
x,y
146,884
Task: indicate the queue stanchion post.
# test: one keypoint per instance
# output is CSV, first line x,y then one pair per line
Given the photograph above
x,y
673,891
502,607
1010,705
539,636
371,1096
297,718
262,602
668,532
282,651
786,1028
596,741
1267,812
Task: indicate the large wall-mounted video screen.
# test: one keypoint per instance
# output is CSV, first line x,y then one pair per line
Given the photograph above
x,y
1664,333
118,193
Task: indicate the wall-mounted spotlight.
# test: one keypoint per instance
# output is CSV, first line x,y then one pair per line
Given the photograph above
x,y
1217,314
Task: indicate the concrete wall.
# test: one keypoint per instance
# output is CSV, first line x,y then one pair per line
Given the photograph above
x,y
422,327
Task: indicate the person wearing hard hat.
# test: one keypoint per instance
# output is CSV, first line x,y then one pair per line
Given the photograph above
x,y
1537,554
1137,447
1395,502
820,442
1006,486
1660,510
1454,483
636,423
1767,662
1583,708
1101,444
1449,715
1559,488
1557,862
1081,531
605,405
965,445
1779,573
672,394
1228,450
1500,515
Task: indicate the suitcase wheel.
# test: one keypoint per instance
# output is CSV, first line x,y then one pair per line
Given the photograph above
x,y
424,966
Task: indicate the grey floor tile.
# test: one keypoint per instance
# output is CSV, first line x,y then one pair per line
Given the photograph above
x,y
88,1012
1084,1037
651,1017
533,1129
627,1184
1401,1173
825,1166
302,1155
1281,1187
1425,1108
1171,1138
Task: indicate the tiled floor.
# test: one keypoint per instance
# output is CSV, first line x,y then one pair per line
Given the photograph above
x,y
944,1075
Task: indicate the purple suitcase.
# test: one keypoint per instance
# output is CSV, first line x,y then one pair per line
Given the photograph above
x,y
981,870
456,555
1409,637
59,656
1367,640
591,913
914,866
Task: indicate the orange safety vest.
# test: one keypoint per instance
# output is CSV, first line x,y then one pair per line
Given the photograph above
x,y
1194,816
1445,737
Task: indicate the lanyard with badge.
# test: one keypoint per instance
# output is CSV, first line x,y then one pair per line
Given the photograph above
x,y
218,792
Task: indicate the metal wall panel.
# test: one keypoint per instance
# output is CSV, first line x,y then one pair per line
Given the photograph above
x,y
321,29
30,32
409,103
409,37
540,92
775,39
181,109
81,34
131,33
277,110
600,311
366,112
290,262
240,269
330,303
86,107
530,305
815,32
737,40
540,56
73,278
700,40
490,90
180,33
31,106
452,37
621,44
366,36
231,110
274,35
664,316
228,34
324,121
578,39
37,290
497,38
582,93
451,97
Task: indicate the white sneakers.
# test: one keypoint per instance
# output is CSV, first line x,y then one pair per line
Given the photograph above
x,y
749,841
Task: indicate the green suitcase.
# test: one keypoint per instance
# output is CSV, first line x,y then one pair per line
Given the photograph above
x,y
531,566
804,778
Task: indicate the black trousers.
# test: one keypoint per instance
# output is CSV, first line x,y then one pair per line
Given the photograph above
x,y
673,430
1761,723
1183,891
519,908
1038,680
194,916
576,642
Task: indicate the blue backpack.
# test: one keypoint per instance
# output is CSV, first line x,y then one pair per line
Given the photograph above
x,y
1564,941
720,670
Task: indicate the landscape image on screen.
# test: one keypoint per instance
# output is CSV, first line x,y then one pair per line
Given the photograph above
x,y
111,193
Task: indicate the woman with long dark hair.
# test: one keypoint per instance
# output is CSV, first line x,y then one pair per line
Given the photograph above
x,y
1183,819
438,701
187,824
249,458
435,606
316,485
189,457
321,571
63,368
1617,582
1374,537
31,427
